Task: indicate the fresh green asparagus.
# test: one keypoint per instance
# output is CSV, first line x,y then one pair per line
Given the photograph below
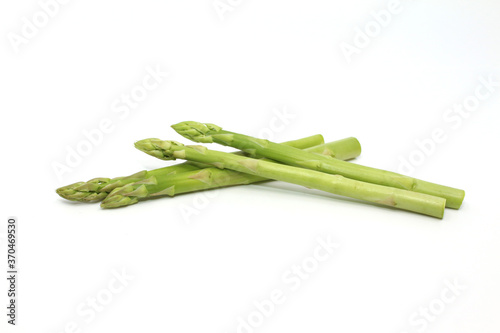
x,y
164,185
98,188
208,177
208,133
336,184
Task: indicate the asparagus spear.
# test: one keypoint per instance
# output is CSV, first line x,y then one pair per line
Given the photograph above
x,y
207,133
191,181
336,184
98,188
208,177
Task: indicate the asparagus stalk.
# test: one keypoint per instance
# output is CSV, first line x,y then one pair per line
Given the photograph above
x,y
344,149
98,188
336,184
208,133
164,185
208,177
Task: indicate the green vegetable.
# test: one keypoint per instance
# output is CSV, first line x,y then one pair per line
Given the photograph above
x,y
209,177
336,184
201,179
207,133
98,188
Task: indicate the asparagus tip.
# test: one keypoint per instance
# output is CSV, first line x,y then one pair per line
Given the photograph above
x,y
196,131
83,191
158,148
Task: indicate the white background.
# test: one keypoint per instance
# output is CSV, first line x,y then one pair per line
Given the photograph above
x,y
200,274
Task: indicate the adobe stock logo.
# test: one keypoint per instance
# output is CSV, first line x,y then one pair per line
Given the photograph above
x,y
95,305
292,279
424,316
453,119
280,119
222,7
372,29
121,107
39,20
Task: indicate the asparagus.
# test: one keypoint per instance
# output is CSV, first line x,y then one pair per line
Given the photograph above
x,y
208,133
98,188
336,184
344,149
208,177
164,185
